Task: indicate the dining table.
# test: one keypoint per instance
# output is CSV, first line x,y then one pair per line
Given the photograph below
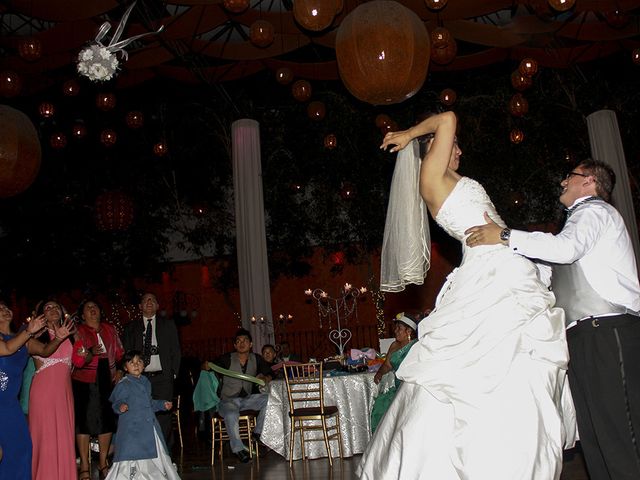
x,y
352,393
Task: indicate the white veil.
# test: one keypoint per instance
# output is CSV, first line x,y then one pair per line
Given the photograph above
x,y
406,255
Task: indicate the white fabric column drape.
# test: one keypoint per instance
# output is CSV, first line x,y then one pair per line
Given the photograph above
x,y
606,146
251,241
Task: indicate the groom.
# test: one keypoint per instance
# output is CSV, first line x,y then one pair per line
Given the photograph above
x,y
595,281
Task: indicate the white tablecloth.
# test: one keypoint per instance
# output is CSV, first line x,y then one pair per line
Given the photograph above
x,y
353,394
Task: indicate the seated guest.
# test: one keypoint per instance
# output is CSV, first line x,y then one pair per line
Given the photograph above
x,y
237,394
286,355
269,354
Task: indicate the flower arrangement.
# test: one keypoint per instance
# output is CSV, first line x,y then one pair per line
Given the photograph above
x,y
97,63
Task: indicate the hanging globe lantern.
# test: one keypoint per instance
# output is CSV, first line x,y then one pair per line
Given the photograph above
x,y
236,6
108,137
520,82
114,211
562,5
46,110
261,33
635,56
528,67
315,15
330,141
106,101
301,90
30,48
20,152
348,191
58,140
316,110
448,96
284,76
382,120
444,56
516,136
517,199
440,37
392,126
71,88
383,50
134,119
296,187
518,105
10,84
435,4
160,149
79,130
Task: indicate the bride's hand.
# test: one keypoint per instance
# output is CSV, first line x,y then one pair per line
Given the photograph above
x,y
398,140
65,329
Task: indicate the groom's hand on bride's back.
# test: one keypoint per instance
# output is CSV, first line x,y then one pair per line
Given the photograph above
x,y
488,234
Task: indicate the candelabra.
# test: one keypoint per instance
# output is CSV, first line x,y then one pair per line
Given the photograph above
x,y
341,308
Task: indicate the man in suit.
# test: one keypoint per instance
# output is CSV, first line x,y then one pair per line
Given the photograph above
x,y
157,339
595,281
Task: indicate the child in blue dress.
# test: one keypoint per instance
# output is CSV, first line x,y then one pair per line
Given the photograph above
x,y
140,452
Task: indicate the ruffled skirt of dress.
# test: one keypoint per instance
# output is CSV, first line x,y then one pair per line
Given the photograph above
x,y
483,385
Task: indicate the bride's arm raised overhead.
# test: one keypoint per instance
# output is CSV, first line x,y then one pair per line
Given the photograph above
x,y
438,169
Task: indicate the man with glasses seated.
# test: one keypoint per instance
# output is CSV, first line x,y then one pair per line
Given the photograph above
x,y
595,280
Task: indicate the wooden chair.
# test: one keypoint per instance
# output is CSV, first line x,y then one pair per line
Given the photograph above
x,y
306,404
175,417
246,422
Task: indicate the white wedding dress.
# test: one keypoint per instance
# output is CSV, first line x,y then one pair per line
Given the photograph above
x,y
482,386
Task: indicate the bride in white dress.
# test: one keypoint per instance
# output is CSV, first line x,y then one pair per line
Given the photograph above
x,y
482,386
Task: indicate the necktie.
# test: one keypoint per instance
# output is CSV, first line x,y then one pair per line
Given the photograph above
x,y
147,343
569,211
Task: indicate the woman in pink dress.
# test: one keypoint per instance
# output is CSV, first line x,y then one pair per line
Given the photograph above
x,y
51,419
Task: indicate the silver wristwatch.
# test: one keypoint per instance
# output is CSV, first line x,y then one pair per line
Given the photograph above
x,y
505,234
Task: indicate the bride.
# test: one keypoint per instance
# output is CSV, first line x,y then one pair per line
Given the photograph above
x,y
483,384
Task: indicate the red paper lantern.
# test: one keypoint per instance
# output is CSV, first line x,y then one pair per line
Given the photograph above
x,y
520,82
448,96
315,15
30,48
382,120
316,110
383,51
106,101
20,152
114,211
435,4
444,56
337,258
134,119
330,141
46,110
79,130
10,84
108,137
284,76
516,136
518,105
635,56
236,6
160,149
562,5
347,191
301,90
261,33
440,37
71,88
528,67
58,140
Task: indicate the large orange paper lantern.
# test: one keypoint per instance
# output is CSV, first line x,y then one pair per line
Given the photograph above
x,y
261,33
315,15
316,110
301,90
435,4
562,5
30,48
383,51
518,105
445,55
10,84
114,211
20,152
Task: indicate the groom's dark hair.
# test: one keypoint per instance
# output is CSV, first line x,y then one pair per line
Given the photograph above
x,y
604,175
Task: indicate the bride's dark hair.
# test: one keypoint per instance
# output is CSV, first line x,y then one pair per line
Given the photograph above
x,y
424,140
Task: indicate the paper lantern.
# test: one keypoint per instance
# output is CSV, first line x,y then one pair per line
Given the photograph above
x,y
30,48
284,76
528,67
448,96
518,105
517,199
337,258
296,187
382,120
236,6
635,56
108,137
383,50
114,211
261,33
347,191
134,119
316,110
520,82
444,56
516,136
392,126
301,90
315,15
46,110
10,84
330,141
58,140
435,4
562,5
440,37
79,130
106,101
71,88
20,152
160,149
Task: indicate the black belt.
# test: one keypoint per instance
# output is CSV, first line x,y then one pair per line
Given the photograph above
x,y
610,321
152,374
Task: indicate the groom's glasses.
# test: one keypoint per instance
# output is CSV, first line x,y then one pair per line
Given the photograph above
x,y
571,174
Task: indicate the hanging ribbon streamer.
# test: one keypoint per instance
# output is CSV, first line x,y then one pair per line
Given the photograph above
x,y
239,376
98,62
